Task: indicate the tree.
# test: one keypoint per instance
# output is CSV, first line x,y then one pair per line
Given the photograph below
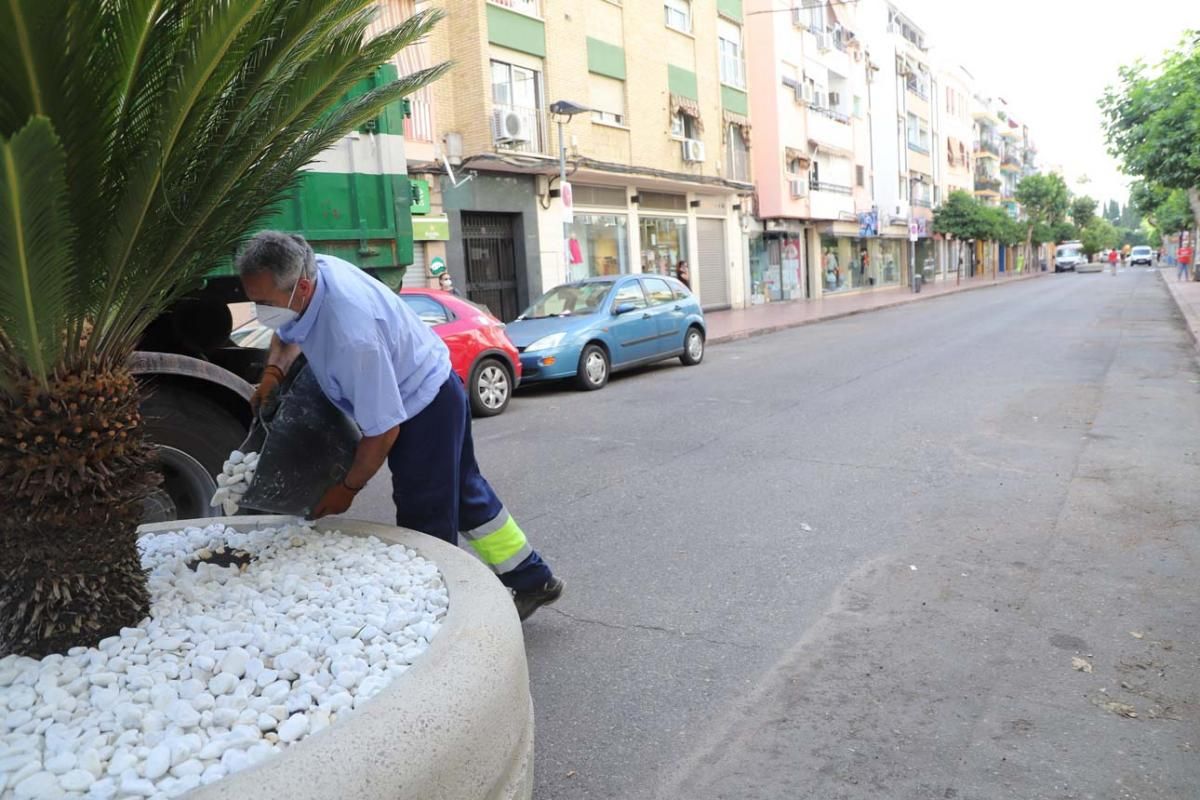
x,y
1083,211
1044,199
1065,232
1151,123
1099,234
140,141
1165,209
1112,212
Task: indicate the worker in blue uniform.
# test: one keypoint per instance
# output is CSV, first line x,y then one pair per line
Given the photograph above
x,y
379,363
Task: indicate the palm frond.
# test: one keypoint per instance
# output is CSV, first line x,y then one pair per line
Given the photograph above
x,y
35,253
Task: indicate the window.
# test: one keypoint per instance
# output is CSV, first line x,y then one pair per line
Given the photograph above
x,y
658,290
737,154
860,175
795,166
429,310
601,245
664,244
816,17
681,291
729,41
918,134
529,7
683,126
679,15
858,108
518,90
630,293
607,99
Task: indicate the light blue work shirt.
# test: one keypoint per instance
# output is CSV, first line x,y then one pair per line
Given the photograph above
x,y
372,355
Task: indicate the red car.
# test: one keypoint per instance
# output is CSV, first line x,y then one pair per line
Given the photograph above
x,y
480,352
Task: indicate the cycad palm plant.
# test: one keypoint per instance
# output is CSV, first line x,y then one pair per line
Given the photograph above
x,y
140,140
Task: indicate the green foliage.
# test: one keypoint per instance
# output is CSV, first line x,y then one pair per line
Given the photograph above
x,y
1151,120
1099,234
1083,211
958,216
1043,197
174,127
1112,211
1064,232
1167,210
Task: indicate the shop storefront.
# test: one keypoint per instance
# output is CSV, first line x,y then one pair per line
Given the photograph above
x,y
848,263
926,259
777,267
598,244
664,243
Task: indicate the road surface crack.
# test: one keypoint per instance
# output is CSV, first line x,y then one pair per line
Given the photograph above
x,y
650,628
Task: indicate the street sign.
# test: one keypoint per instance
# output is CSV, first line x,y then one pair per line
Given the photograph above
x,y
437,265
431,229
914,230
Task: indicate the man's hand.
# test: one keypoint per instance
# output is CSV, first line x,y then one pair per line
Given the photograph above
x,y
268,384
336,500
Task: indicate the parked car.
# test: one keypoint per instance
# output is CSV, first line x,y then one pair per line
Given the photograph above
x,y
589,329
1141,255
1069,256
480,353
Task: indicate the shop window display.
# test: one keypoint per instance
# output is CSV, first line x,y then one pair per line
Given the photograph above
x,y
664,245
597,244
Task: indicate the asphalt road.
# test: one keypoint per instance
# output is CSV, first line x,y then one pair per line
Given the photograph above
x,y
857,559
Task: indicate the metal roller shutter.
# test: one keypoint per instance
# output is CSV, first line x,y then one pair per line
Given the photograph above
x,y
414,276
711,267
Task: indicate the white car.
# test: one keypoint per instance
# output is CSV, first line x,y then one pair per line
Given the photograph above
x,y
1069,256
1141,255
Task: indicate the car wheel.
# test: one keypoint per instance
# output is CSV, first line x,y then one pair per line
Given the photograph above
x,y
693,347
593,368
491,388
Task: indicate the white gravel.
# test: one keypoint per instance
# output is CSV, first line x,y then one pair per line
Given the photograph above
x,y
234,665
237,473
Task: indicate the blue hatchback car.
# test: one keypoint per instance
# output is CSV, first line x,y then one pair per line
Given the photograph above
x,y
590,329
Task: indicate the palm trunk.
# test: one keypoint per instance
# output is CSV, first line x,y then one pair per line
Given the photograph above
x,y
74,470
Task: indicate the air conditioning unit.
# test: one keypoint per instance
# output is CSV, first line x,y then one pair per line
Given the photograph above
x,y
806,92
824,41
835,99
799,187
798,15
511,127
693,150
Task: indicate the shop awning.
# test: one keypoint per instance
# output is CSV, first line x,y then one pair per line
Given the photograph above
x,y
686,105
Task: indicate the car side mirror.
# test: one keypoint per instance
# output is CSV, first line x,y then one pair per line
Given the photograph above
x,y
624,308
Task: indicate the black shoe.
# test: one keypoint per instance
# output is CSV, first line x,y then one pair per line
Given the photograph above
x,y
529,602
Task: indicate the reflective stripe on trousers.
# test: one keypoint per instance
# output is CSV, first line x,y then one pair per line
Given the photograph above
x,y
500,543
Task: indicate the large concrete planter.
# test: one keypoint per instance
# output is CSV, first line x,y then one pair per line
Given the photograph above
x,y
458,725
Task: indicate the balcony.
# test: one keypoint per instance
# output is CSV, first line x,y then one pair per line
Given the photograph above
x,y
1011,163
832,188
918,148
530,7
987,148
921,202
831,113
987,186
519,129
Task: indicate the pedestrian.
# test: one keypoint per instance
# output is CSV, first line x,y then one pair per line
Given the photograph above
x,y
1112,260
683,274
380,364
1184,256
446,284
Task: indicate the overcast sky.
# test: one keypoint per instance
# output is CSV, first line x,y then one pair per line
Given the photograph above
x,y
1051,59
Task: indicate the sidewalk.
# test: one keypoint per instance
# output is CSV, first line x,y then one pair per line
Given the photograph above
x,y
1187,297
742,323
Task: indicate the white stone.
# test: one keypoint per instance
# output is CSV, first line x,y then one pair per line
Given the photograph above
x,y
37,786
224,683
137,787
293,728
237,457
190,767
60,763
77,780
234,662
157,763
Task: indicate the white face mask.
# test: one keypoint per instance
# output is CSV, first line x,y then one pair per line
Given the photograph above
x,y
275,317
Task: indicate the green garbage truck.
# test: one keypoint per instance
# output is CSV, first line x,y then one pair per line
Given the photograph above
x,y
353,202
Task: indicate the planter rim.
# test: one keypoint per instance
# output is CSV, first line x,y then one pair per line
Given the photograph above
x,y
458,724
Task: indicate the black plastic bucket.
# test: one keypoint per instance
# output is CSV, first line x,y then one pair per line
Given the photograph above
x,y
305,444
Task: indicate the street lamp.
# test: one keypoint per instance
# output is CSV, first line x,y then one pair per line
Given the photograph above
x,y
562,111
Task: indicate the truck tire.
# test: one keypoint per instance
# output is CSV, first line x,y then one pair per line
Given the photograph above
x,y
194,436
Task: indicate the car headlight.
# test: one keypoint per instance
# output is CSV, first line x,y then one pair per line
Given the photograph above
x,y
546,342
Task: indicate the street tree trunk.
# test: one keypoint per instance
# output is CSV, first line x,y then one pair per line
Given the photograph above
x,y
74,470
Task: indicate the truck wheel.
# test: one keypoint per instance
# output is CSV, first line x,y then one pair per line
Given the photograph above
x,y
193,437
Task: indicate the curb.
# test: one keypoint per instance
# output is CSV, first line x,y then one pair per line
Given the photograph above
x,y
1191,319
783,326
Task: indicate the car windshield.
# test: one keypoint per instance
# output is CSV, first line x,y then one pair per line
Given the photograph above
x,y
572,299
1067,251
1141,251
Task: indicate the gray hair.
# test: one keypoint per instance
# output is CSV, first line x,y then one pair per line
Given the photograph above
x,y
286,257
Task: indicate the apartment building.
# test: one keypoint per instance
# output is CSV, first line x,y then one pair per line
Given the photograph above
x,y
654,116
987,149
811,157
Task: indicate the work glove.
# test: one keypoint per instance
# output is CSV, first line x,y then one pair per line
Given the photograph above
x,y
268,386
336,500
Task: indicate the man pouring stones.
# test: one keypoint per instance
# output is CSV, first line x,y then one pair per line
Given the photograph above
x,y
382,366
